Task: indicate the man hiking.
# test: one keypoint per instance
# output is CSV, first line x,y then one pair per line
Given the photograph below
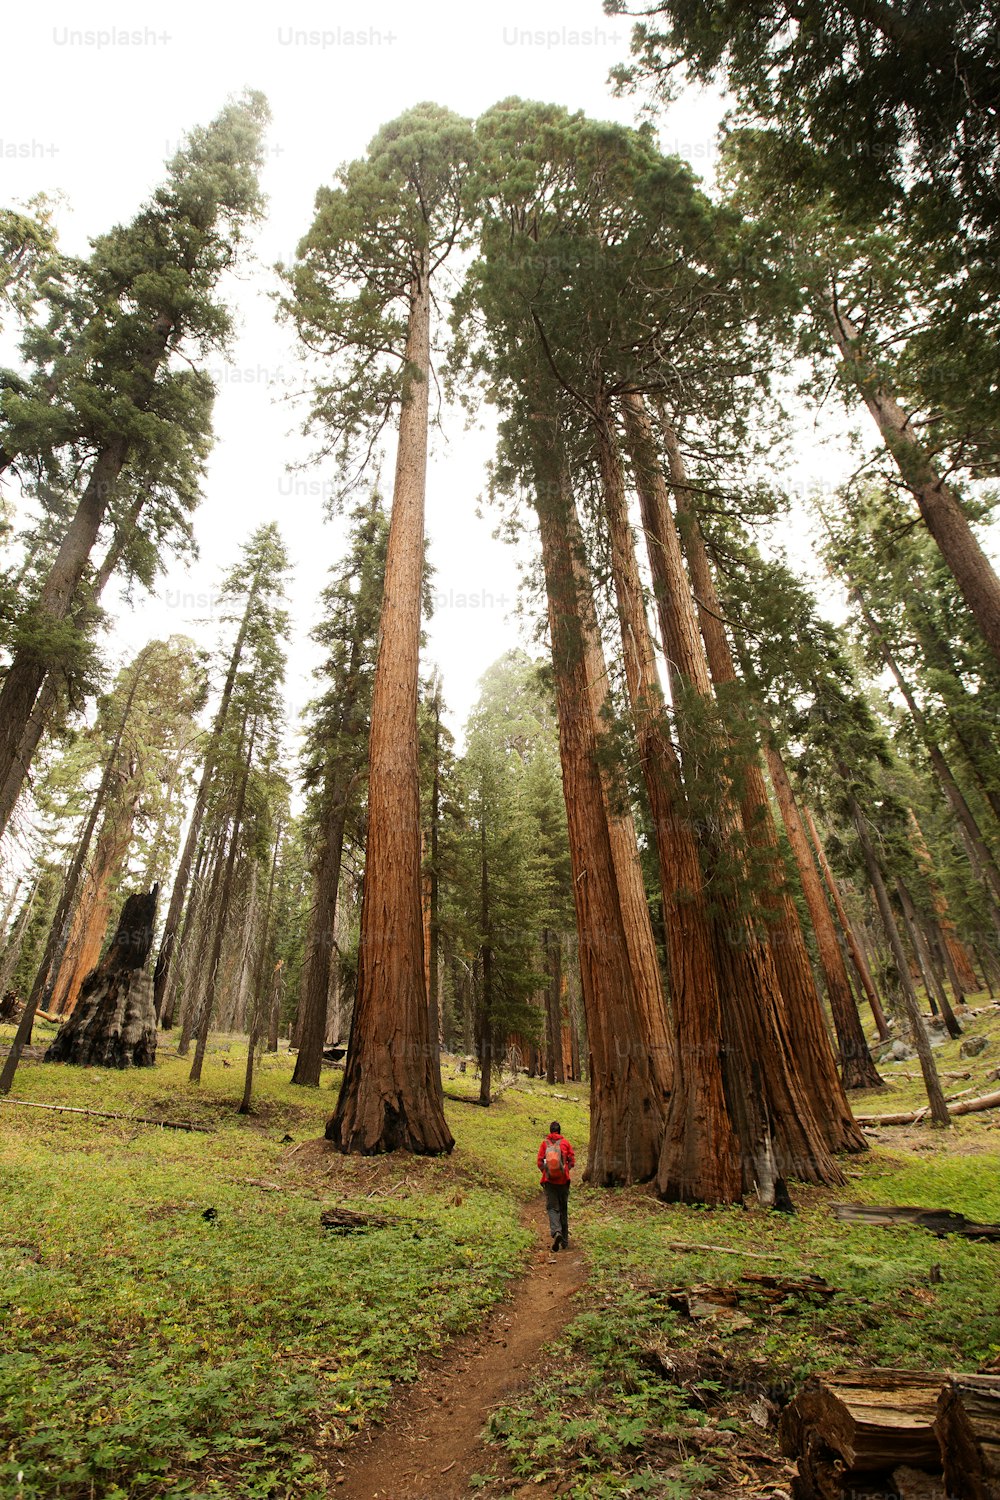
x,y
556,1159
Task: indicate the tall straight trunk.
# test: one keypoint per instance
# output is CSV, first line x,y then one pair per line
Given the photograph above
x,y
173,986
486,1036
778,1129
700,1157
955,957
178,895
259,1001
803,1011
274,1013
932,1083
225,897
56,934
15,942
626,1082
555,1071
982,857
621,829
198,921
858,959
319,943
433,885
391,1097
937,502
856,1063
925,959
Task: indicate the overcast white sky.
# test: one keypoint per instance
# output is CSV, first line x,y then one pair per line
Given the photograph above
x,y
95,98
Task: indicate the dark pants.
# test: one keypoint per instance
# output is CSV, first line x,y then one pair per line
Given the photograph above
x,y
557,1206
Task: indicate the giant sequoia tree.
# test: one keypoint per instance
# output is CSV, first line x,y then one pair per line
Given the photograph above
x,y
594,257
110,388
362,297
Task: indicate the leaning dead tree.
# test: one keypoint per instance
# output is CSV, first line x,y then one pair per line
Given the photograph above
x,y
114,1023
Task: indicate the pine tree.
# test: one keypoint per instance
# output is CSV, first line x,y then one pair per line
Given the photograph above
x,y
337,754
110,387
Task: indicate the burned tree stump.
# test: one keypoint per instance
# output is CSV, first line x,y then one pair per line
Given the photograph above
x,y
114,1023
968,1429
850,1431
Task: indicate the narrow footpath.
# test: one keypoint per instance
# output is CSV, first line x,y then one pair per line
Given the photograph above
x,y
431,1440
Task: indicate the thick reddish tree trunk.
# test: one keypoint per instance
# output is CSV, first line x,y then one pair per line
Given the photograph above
x,y
391,1097
939,506
859,1071
768,1099
700,1157
803,1011
621,828
858,959
626,1084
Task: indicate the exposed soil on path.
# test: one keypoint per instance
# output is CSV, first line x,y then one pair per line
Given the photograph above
x,y
431,1441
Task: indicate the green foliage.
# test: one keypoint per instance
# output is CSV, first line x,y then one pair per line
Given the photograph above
x,y
392,217
149,1351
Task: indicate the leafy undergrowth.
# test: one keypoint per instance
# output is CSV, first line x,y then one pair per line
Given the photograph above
x,y
152,1351
639,1397
173,1317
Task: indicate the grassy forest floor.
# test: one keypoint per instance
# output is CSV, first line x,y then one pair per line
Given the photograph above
x,y
176,1322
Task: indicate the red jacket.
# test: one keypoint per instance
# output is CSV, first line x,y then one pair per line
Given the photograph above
x,y
569,1156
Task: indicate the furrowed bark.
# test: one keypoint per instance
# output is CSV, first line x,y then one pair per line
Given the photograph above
x,y
626,1093
803,1010
778,1130
391,1097
859,1071
700,1155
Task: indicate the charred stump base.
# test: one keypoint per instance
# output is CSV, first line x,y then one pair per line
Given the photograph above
x,y
113,1024
884,1434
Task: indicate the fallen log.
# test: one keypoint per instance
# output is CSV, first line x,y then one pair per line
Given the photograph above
x,y
343,1220
690,1245
939,1221
963,1107
968,1431
849,1431
103,1114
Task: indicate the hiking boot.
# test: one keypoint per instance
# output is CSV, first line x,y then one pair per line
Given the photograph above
x,y
565,1241
556,1243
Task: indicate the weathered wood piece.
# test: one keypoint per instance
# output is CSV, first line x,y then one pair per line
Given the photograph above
x,y
103,1114
939,1221
341,1220
911,1117
113,1024
849,1431
968,1430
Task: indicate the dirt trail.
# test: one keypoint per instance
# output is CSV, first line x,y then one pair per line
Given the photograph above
x,y
431,1442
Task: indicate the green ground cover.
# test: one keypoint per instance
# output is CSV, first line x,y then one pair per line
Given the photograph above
x,y
152,1351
